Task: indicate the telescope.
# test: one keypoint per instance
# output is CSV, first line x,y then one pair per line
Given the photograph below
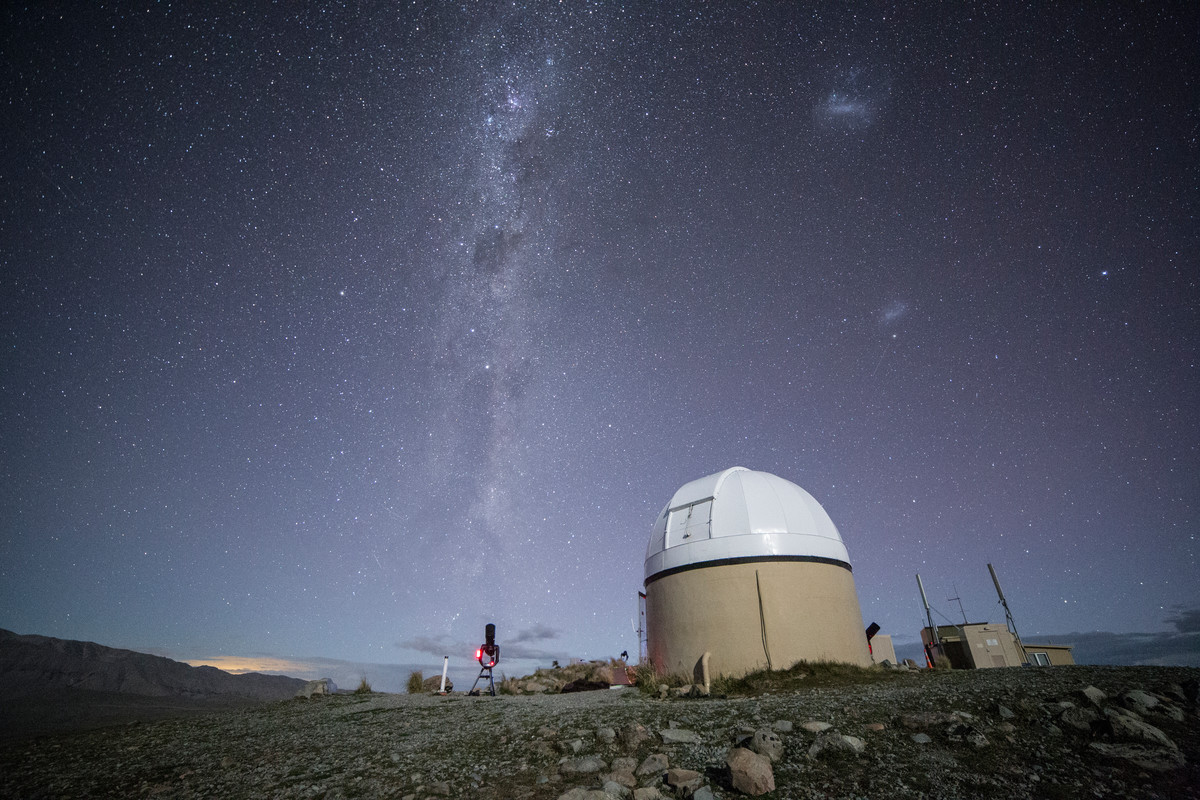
x,y
488,655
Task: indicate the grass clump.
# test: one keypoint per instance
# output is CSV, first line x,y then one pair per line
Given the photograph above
x,y
363,686
803,675
416,682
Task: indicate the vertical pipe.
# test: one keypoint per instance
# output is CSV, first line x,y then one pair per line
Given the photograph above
x,y
445,667
933,631
1009,622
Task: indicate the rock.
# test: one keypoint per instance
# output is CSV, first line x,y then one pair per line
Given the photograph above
x,y
546,732
1093,695
624,764
1125,727
1139,701
1155,759
322,686
584,765
961,732
701,673
920,738
440,788
782,726
606,735
927,719
750,773
663,691
571,746
679,736
647,793
580,793
617,789
834,742
433,684
1005,712
584,685
767,743
874,727
816,727
683,781
703,793
623,777
632,736
1079,719
653,764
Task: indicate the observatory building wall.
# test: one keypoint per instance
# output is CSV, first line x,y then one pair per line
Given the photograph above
x,y
752,616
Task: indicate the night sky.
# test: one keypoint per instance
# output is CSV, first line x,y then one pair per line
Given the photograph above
x,y
337,332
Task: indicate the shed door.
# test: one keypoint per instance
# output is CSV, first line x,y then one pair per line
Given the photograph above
x,y
690,522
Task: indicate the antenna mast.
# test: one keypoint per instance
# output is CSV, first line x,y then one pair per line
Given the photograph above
x,y
933,631
960,605
1008,617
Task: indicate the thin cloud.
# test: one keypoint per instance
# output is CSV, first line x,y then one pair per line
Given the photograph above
x,y
538,633
1185,620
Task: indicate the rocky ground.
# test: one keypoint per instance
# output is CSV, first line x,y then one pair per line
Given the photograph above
x,y
1005,733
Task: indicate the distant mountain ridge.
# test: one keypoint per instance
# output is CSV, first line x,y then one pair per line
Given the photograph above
x,y
35,665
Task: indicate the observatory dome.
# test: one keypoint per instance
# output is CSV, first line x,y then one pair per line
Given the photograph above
x,y
737,516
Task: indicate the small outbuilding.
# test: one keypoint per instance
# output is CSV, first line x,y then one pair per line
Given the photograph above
x,y
748,567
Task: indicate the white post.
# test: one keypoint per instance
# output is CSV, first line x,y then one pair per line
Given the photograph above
x,y
445,666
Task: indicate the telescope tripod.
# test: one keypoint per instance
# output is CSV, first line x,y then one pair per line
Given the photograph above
x,y
491,682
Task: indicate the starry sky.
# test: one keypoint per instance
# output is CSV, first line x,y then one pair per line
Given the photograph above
x,y
335,331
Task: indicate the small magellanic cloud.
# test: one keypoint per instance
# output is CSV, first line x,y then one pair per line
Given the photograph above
x,y
895,310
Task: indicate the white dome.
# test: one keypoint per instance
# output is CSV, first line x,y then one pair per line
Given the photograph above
x,y
737,516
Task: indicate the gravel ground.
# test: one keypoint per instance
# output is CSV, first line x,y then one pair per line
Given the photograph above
x,y
407,746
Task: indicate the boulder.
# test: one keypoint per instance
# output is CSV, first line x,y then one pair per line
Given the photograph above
x,y
1148,757
647,793
584,685
433,684
1127,728
812,726
927,719
632,736
584,765
322,686
834,742
962,732
617,789
1093,695
580,793
653,764
679,736
1079,719
620,777
1139,701
767,743
683,781
749,772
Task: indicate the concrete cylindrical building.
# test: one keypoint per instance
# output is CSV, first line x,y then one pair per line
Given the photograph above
x,y
748,567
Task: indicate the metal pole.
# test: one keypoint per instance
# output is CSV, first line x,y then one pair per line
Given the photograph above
x,y
445,667
933,631
1008,617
